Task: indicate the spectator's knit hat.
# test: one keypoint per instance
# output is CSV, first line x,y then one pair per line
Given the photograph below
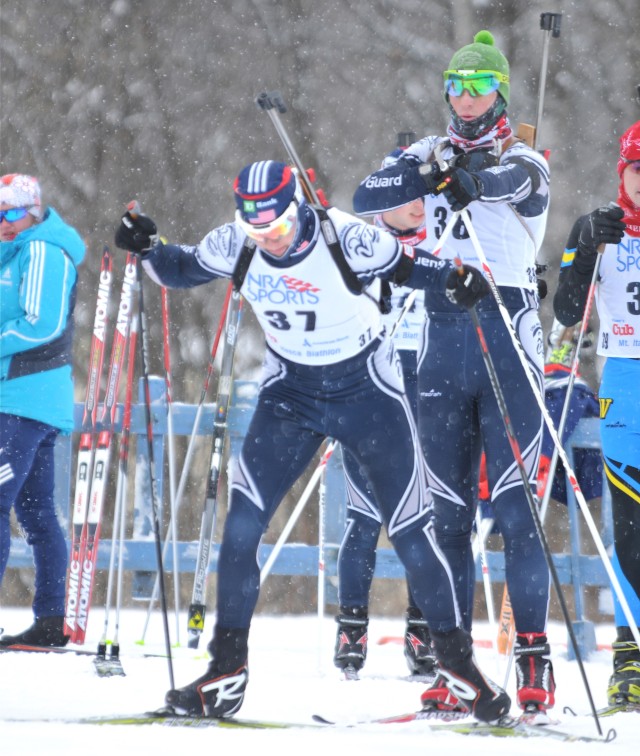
x,y
629,147
482,55
19,190
266,191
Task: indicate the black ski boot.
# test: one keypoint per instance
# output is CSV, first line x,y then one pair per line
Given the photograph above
x,y
45,631
534,672
220,691
418,652
351,639
624,683
482,697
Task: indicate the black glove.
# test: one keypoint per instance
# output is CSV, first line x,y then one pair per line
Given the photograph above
x,y
465,286
476,160
461,188
427,174
602,226
136,232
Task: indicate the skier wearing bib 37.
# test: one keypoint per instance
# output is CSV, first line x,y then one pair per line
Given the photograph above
x,y
329,371
503,184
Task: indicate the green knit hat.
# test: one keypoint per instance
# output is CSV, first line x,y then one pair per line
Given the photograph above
x,y
482,55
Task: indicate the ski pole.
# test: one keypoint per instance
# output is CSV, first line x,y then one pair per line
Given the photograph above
x,y
203,395
572,377
113,665
550,23
552,431
322,498
517,455
133,209
189,453
125,441
297,510
164,300
486,576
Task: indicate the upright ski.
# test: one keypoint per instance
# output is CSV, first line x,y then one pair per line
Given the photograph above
x,y
197,608
90,535
86,446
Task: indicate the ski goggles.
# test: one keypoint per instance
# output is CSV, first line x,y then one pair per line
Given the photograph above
x,y
277,228
13,214
477,83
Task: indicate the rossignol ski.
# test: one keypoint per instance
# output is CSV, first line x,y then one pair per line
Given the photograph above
x,y
197,608
88,553
86,446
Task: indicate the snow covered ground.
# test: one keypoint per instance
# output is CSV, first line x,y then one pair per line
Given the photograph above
x,y
292,677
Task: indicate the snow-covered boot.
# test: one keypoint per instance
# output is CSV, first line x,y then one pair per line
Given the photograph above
x,y
624,683
220,691
45,631
534,672
351,638
418,652
482,697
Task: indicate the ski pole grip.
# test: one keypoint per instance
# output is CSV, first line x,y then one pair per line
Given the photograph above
x,y
133,208
551,22
270,100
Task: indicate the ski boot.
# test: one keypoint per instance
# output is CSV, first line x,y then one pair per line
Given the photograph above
x,y
45,631
534,672
624,683
351,640
417,645
438,697
464,680
220,691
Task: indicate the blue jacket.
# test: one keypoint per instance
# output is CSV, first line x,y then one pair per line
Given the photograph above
x,y
37,297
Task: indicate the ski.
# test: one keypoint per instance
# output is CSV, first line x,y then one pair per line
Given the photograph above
x,y
619,708
169,718
101,660
412,716
461,723
197,608
86,445
90,536
25,648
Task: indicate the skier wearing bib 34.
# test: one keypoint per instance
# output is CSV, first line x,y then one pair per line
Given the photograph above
x,y
328,371
614,232
357,554
482,166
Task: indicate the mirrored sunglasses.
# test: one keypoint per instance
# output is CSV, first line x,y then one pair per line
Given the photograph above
x,y
13,214
279,227
477,83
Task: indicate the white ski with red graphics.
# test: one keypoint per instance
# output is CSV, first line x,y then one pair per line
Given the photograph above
x,y
87,441
91,526
464,724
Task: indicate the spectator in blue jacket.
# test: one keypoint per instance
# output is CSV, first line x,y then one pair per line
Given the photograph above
x,y
39,253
